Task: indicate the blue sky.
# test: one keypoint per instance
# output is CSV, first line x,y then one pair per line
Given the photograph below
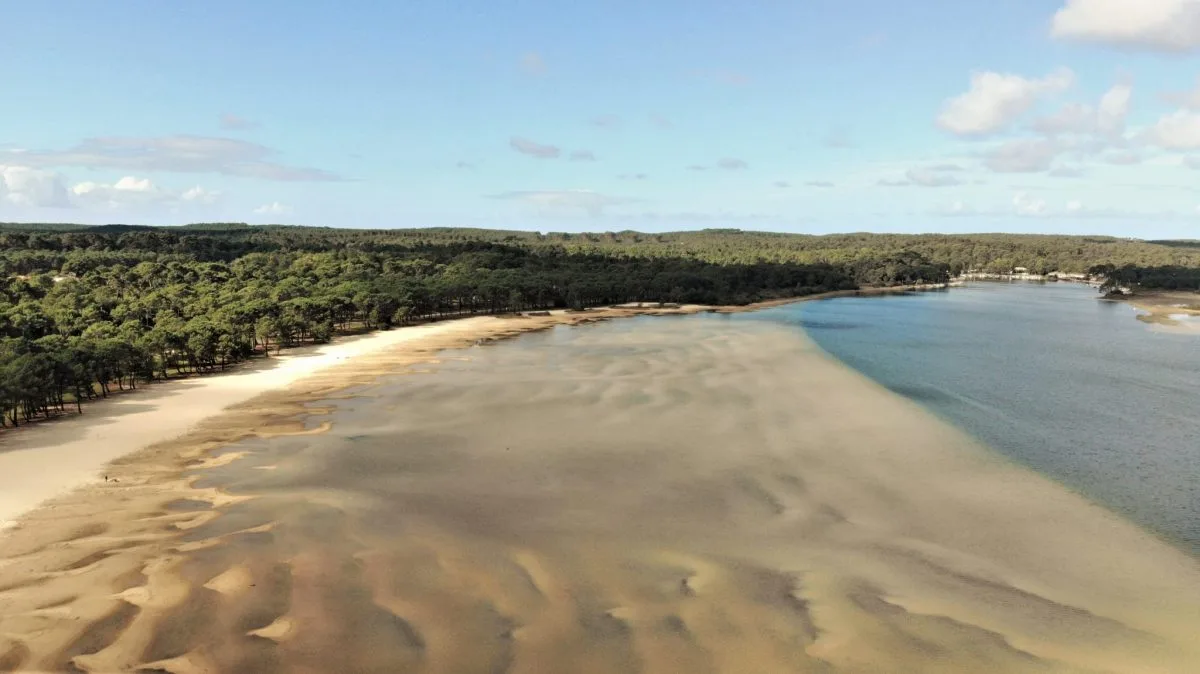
x,y
789,115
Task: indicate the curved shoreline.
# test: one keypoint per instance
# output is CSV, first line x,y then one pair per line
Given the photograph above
x,y
49,459
70,573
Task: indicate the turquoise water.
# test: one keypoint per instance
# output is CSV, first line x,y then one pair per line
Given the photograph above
x,y
1071,386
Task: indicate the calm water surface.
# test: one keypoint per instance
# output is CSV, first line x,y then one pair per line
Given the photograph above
x,y
1073,387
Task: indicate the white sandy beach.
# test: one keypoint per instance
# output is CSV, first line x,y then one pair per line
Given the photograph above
x,y
48,459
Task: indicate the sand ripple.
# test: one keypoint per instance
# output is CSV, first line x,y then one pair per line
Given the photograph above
x,y
673,496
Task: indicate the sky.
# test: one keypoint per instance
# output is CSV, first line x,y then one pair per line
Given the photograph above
x,y
815,116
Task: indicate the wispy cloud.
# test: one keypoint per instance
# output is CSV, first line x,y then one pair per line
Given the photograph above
x,y
1024,155
660,122
273,208
533,149
697,167
782,183
732,164
823,184
583,155
179,154
929,177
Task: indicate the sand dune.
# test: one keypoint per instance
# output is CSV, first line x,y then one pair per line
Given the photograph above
x,y
662,496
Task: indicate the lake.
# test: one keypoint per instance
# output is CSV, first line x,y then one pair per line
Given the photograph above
x,y
1049,375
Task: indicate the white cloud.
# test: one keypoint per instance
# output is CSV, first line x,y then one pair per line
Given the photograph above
x,y
1114,109
273,208
132,192
1071,118
1123,158
823,184
1026,205
1185,99
1177,131
533,149
1167,25
1025,155
955,209
25,186
930,177
732,164
1192,162
1066,172
131,184
180,154
1074,206
583,155
199,195
587,201
1107,119
995,100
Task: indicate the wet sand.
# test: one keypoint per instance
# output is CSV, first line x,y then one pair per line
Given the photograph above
x,y
1168,310
652,495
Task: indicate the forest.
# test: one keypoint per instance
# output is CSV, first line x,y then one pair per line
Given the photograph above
x,y
85,310
1170,277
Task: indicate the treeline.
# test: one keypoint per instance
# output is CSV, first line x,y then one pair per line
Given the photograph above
x,y
86,310
1149,278
109,315
26,250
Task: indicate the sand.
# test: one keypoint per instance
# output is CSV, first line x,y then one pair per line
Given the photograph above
x,y
48,459
731,520
1168,310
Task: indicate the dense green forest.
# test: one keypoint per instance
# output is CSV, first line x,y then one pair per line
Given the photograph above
x,y
1171,277
85,310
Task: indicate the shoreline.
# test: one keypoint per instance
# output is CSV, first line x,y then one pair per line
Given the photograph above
x,y
100,590
46,459
1174,311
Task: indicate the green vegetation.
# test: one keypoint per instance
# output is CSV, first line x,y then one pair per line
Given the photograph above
x,y
1171,277
84,310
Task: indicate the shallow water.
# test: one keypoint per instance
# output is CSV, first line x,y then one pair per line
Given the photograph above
x,y
1071,386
